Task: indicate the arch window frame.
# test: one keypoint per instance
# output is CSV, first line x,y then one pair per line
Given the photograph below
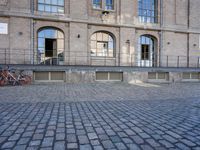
x,y
100,40
52,34
147,50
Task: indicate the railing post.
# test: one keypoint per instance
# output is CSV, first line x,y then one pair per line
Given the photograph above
x,y
167,61
131,60
5,56
178,62
198,62
75,58
104,60
24,56
119,59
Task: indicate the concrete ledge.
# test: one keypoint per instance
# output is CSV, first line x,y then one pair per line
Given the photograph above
x,y
101,68
87,74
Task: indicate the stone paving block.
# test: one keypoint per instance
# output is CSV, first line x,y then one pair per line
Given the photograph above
x,y
98,147
92,136
146,147
166,143
23,141
59,145
108,144
182,146
8,145
71,138
83,139
188,143
85,147
153,143
20,147
95,142
120,146
47,142
35,143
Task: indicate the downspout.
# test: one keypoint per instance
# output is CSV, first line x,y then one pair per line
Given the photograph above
x,y
161,32
32,32
188,35
119,55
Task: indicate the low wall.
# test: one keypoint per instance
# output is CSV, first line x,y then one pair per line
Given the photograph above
x,y
78,74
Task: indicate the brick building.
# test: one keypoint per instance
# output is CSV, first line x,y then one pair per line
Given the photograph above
x,y
142,33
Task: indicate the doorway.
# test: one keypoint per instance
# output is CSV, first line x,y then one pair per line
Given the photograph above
x,y
51,51
50,47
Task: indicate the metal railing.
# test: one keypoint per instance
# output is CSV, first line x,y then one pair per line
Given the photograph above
x,y
85,58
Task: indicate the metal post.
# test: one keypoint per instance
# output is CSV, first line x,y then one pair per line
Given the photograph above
x,y
24,56
178,62
105,60
167,60
119,59
75,58
5,56
198,62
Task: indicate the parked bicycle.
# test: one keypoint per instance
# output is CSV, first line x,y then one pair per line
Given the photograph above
x,y
13,77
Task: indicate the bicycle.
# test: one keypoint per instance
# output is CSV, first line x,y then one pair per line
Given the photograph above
x,y
13,77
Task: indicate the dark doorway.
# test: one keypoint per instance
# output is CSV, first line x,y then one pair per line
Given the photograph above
x,y
145,52
50,47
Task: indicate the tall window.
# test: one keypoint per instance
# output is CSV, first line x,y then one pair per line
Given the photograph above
x,y
50,46
148,11
102,44
146,53
109,4
51,6
97,4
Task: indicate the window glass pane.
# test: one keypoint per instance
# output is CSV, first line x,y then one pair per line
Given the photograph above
x,y
47,1
96,3
61,2
147,10
41,7
52,6
54,2
54,9
40,1
47,8
109,4
41,42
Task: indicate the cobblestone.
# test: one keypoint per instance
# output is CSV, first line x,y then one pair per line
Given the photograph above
x,y
100,116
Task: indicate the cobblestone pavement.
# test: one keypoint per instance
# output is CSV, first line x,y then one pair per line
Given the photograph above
x,y
97,92
100,116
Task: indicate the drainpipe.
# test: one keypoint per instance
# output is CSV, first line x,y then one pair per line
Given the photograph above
x,y
161,32
188,35
32,32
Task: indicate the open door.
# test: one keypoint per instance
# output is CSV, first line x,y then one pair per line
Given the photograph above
x,y
51,51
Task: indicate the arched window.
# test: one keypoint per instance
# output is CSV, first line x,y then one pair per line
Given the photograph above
x,y
146,54
50,46
51,6
148,11
102,44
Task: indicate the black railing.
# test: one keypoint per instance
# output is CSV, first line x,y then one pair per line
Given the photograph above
x,y
25,56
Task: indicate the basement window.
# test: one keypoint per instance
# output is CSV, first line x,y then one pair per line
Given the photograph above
x,y
109,76
160,76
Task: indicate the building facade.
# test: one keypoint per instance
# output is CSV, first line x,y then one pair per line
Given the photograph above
x,y
142,33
